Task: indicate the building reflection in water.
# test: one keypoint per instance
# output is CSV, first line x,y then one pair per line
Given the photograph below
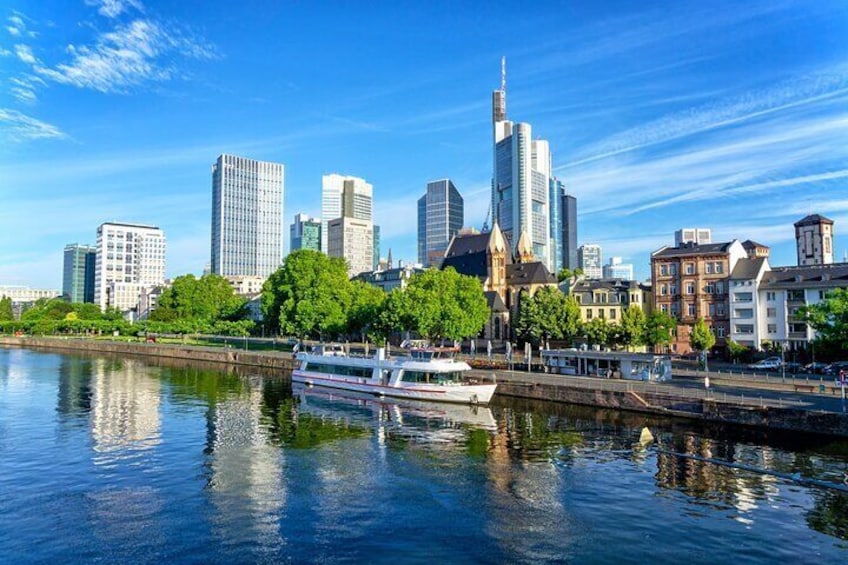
x,y
75,392
246,482
125,405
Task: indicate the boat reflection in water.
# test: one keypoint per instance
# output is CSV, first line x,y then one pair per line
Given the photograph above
x,y
425,421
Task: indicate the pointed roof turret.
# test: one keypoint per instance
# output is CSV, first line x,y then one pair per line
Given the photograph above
x,y
524,251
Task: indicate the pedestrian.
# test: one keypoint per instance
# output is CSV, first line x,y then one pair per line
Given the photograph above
x,y
489,349
472,348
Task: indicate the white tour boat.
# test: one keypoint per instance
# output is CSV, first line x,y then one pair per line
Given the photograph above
x,y
421,374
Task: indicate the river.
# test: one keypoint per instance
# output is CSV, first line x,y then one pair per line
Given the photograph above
x,y
145,461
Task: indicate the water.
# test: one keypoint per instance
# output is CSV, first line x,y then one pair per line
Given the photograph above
x,y
121,461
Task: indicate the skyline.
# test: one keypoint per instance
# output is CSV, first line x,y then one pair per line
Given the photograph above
x,y
731,118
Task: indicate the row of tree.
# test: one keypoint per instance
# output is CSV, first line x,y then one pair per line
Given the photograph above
x,y
310,296
550,314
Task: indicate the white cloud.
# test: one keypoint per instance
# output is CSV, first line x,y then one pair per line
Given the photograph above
x,y
114,8
16,25
128,56
24,53
18,127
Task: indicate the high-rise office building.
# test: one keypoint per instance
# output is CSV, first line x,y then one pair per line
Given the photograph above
x,y
440,217
352,240
521,181
615,269
78,273
568,213
376,248
344,196
590,259
129,258
305,233
555,198
247,216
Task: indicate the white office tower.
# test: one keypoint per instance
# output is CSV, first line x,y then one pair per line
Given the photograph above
x,y
130,257
521,181
590,260
616,269
346,196
247,216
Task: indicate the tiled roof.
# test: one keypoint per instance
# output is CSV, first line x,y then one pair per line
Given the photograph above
x,y
834,275
812,220
688,249
750,244
493,299
747,269
529,273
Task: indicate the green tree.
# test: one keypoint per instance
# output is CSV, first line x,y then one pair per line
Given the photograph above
x,y
736,350
659,329
572,324
309,296
6,313
207,299
701,339
444,304
366,304
549,314
829,318
633,326
596,331
47,309
566,273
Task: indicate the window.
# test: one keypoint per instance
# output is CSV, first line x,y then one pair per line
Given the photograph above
x,y
690,288
663,290
588,313
797,328
744,329
770,296
690,308
822,294
601,313
772,328
664,308
612,314
672,269
719,288
663,270
709,268
720,331
710,288
771,312
672,289
690,268
720,310
719,268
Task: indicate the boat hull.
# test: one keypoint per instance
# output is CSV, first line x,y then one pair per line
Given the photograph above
x,y
460,394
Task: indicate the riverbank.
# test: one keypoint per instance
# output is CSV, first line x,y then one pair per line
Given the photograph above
x,y
660,399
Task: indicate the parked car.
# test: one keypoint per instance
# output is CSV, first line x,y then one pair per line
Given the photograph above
x,y
770,364
815,368
834,368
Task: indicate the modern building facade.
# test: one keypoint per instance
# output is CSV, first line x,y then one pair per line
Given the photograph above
x,y
441,214
590,260
814,240
376,248
693,235
305,233
78,273
247,216
129,257
352,240
568,217
346,196
25,294
616,269
521,181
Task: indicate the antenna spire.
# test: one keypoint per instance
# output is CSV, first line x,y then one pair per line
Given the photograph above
x,y
503,74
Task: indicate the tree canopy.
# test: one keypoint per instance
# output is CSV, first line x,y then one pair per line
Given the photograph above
x,y
208,299
308,296
829,318
6,313
701,338
659,329
549,314
633,326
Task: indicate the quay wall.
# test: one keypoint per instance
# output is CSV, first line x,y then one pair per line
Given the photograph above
x,y
265,359
794,419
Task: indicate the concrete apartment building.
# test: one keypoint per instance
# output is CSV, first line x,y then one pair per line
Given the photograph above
x,y
616,269
129,258
814,240
247,216
352,240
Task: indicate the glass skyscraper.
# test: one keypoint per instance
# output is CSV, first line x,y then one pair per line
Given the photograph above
x,y
568,219
305,233
440,217
78,273
247,216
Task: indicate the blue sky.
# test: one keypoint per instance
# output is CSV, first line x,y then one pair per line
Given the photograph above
x,y
660,115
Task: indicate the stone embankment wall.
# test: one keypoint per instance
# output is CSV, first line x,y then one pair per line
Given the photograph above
x,y
794,419
265,359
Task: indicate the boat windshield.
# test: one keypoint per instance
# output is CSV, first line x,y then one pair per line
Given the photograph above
x,y
432,353
432,378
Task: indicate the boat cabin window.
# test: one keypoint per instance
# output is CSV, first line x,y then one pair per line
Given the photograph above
x,y
361,372
433,378
428,354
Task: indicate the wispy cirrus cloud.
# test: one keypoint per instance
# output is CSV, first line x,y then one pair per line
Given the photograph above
x,y
17,27
24,53
127,57
114,8
17,127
